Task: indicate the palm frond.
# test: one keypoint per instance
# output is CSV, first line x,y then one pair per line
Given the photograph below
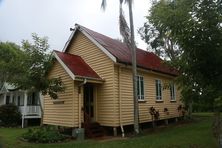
x,y
123,26
128,1
103,5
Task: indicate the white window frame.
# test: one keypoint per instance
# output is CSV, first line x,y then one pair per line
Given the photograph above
x,y
172,92
140,93
158,88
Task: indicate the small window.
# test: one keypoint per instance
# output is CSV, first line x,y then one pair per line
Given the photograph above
x,y
20,101
172,92
140,88
33,99
13,99
158,90
7,101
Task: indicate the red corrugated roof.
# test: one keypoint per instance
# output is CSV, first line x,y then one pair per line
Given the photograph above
x,y
145,60
77,65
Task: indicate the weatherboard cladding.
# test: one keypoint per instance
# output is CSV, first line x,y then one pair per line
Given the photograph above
x,y
113,99
145,60
77,65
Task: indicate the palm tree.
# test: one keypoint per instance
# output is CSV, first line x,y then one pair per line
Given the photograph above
x,y
128,36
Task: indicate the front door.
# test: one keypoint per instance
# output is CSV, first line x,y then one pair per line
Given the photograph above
x,y
88,102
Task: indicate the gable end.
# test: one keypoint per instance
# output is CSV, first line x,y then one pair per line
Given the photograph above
x,y
104,50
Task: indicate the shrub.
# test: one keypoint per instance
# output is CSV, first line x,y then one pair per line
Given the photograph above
x,y
182,110
44,134
166,111
9,115
154,113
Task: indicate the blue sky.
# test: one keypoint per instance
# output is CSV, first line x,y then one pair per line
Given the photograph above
x,y
53,18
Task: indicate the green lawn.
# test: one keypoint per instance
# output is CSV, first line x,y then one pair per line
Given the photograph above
x,y
196,134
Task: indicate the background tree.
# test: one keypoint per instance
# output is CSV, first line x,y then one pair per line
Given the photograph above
x,y
159,41
157,31
200,37
10,59
185,22
128,37
38,63
27,66
196,27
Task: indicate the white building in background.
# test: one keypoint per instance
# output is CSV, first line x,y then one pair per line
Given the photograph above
x,y
28,101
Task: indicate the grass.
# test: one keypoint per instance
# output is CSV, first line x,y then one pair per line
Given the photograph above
x,y
195,134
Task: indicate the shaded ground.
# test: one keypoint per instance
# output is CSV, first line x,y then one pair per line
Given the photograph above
x,y
195,134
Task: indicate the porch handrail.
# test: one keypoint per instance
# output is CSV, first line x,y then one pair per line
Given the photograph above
x,y
30,110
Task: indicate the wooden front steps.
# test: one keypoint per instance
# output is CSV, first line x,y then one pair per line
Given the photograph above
x,y
94,130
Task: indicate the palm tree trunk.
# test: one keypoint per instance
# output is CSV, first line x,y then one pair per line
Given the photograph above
x,y
132,47
134,70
